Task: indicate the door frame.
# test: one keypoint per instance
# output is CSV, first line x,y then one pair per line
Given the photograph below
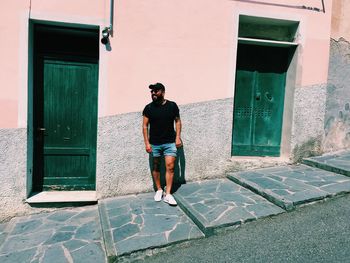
x,y
293,76
31,176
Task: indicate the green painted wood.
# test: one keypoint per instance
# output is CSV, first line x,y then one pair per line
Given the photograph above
x,y
243,111
268,110
259,101
70,122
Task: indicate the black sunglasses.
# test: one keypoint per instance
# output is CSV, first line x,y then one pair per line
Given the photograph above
x,y
154,90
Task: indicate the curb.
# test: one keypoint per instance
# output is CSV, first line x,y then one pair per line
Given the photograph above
x,y
194,216
106,234
326,167
272,197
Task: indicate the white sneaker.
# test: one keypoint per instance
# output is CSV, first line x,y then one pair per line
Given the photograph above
x,y
169,199
158,196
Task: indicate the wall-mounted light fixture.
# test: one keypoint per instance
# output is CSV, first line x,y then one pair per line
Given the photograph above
x,y
105,35
108,31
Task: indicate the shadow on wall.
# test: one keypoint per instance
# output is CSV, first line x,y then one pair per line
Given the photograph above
x,y
179,170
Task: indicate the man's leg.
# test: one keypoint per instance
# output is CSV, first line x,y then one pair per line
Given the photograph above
x,y
169,174
156,172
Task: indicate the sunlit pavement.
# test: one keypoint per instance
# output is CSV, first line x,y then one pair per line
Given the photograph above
x,y
120,226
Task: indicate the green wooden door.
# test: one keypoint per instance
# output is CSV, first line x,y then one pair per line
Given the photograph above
x,y
258,104
69,125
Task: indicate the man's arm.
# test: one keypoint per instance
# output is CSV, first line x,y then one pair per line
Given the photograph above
x,y
178,127
145,134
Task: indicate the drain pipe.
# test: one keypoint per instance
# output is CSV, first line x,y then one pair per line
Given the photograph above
x,y
324,11
111,17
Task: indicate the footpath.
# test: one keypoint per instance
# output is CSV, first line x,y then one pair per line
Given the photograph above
x,y
118,227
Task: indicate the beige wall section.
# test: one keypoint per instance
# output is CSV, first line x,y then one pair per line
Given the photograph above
x,y
340,19
188,45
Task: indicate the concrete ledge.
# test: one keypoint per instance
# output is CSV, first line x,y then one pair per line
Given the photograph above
x,y
217,205
270,196
63,197
321,164
137,223
106,234
294,185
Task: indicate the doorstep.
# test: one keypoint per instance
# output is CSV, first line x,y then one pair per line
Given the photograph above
x,y
63,197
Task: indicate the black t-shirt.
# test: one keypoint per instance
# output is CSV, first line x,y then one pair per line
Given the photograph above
x,y
161,120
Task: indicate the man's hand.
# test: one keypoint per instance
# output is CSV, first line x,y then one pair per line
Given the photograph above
x,y
178,125
145,134
148,148
178,142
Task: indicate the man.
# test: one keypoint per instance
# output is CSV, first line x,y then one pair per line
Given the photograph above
x,y
162,140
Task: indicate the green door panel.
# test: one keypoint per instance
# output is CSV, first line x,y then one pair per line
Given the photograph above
x,y
243,111
70,123
259,101
268,113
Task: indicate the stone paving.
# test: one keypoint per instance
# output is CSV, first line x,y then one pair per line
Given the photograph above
x,y
137,222
72,235
338,162
221,203
120,226
289,186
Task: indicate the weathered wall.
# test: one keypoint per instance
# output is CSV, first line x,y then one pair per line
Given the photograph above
x,y
13,176
12,171
337,118
123,164
308,119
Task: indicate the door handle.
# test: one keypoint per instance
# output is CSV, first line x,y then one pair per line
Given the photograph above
x,y
268,96
258,96
41,129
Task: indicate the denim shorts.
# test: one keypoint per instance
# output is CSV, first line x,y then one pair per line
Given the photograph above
x,y
166,149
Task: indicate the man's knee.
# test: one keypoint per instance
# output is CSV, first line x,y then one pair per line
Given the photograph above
x,y
170,167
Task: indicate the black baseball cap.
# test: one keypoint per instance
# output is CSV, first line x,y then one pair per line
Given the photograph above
x,y
157,86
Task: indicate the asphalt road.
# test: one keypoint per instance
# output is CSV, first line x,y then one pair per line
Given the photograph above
x,y
315,233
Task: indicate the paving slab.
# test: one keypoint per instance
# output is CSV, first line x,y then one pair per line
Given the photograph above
x,y
72,235
293,185
136,222
337,162
3,232
220,203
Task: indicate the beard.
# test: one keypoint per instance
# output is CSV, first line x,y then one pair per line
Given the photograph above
x,y
157,99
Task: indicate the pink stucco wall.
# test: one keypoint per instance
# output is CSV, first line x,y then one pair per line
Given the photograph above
x,y
10,75
188,45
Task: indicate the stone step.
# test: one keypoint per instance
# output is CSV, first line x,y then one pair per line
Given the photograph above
x,y
216,205
136,222
293,185
59,197
337,163
69,235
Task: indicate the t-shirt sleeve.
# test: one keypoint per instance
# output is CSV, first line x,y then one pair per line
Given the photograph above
x,y
176,111
145,111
